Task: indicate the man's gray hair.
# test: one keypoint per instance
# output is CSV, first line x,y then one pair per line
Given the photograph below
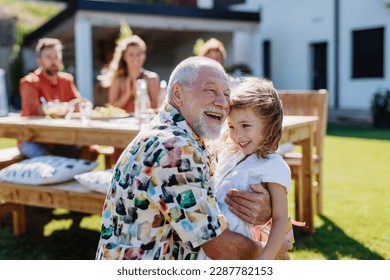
x,y
187,71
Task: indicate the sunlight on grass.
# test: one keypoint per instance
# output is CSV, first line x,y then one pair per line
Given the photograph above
x,y
355,223
7,143
56,225
60,211
92,222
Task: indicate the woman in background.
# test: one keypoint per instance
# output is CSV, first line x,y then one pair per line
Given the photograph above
x,y
214,49
123,72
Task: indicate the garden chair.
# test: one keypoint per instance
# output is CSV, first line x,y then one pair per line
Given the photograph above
x,y
307,103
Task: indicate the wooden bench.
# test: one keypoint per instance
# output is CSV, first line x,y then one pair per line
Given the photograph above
x,y
70,195
10,156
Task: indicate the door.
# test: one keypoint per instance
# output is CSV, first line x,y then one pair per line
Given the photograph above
x,y
319,78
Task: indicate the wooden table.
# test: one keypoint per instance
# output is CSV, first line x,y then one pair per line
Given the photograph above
x,y
299,130
119,133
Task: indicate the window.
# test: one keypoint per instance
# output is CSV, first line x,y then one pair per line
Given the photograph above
x,y
267,59
368,53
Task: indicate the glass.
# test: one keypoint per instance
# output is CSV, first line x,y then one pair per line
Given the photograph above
x,y
85,108
142,103
163,93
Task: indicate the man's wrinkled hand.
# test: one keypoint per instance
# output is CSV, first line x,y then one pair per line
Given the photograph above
x,y
252,207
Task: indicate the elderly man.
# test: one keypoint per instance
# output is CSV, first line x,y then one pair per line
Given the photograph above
x,y
161,204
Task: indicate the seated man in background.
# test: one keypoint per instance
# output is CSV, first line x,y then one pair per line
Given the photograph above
x,y
47,83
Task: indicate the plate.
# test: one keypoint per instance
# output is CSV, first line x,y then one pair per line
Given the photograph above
x,y
97,116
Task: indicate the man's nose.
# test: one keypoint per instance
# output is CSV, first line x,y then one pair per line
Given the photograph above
x,y
221,101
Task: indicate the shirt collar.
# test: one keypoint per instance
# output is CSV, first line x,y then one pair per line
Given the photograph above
x,y
170,114
52,81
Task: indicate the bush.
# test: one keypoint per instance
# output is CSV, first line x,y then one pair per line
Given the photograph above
x,y
380,109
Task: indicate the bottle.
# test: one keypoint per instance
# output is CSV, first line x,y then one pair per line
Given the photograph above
x,y
3,95
163,92
142,101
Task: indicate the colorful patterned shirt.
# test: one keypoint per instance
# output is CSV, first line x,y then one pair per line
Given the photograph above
x,y
160,204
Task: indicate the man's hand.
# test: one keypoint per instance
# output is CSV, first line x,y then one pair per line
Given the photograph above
x,y
252,207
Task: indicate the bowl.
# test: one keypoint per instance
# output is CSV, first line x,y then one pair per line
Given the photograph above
x,y
56,108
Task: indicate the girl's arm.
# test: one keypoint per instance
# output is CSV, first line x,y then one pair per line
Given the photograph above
x,y
279,221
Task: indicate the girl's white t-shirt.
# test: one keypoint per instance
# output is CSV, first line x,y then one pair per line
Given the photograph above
x,y
233,172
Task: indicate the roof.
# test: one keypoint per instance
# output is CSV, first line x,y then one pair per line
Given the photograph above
x,y
139,9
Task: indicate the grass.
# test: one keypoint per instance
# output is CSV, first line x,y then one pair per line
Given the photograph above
x,y
355,223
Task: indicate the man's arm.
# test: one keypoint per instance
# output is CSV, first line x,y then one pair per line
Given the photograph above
x,y
31,105
230,245
252,207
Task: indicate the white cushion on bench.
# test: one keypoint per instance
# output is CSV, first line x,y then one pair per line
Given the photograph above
x,y
9,153
98,181
45,170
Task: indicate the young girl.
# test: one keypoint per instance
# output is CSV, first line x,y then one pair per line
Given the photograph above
x,y
248,157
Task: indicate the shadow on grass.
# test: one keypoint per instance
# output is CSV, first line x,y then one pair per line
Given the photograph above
x,y
73,243
76,243
333,243
357,132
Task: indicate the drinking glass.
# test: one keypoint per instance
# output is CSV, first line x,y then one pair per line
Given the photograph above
x,y
85,108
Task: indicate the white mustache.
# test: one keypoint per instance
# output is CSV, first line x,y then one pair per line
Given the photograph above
x,y
215,110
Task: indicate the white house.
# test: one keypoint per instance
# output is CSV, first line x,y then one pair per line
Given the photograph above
x,y
89,28
339,45
335,44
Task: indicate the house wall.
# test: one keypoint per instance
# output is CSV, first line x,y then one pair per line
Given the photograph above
x,y
292,26
357,93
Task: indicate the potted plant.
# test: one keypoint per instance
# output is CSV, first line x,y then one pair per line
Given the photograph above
x,y
380,109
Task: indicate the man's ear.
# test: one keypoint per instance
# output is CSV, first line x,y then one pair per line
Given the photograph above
x,y
177,95
39,62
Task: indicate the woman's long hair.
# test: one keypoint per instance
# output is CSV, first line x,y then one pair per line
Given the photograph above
x,y
118,66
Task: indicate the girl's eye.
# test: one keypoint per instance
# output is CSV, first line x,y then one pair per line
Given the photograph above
x,y
245,125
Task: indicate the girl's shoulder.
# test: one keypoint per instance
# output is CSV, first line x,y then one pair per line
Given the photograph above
x,y
276,160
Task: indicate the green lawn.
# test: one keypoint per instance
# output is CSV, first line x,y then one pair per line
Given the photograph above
x,y
355,223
